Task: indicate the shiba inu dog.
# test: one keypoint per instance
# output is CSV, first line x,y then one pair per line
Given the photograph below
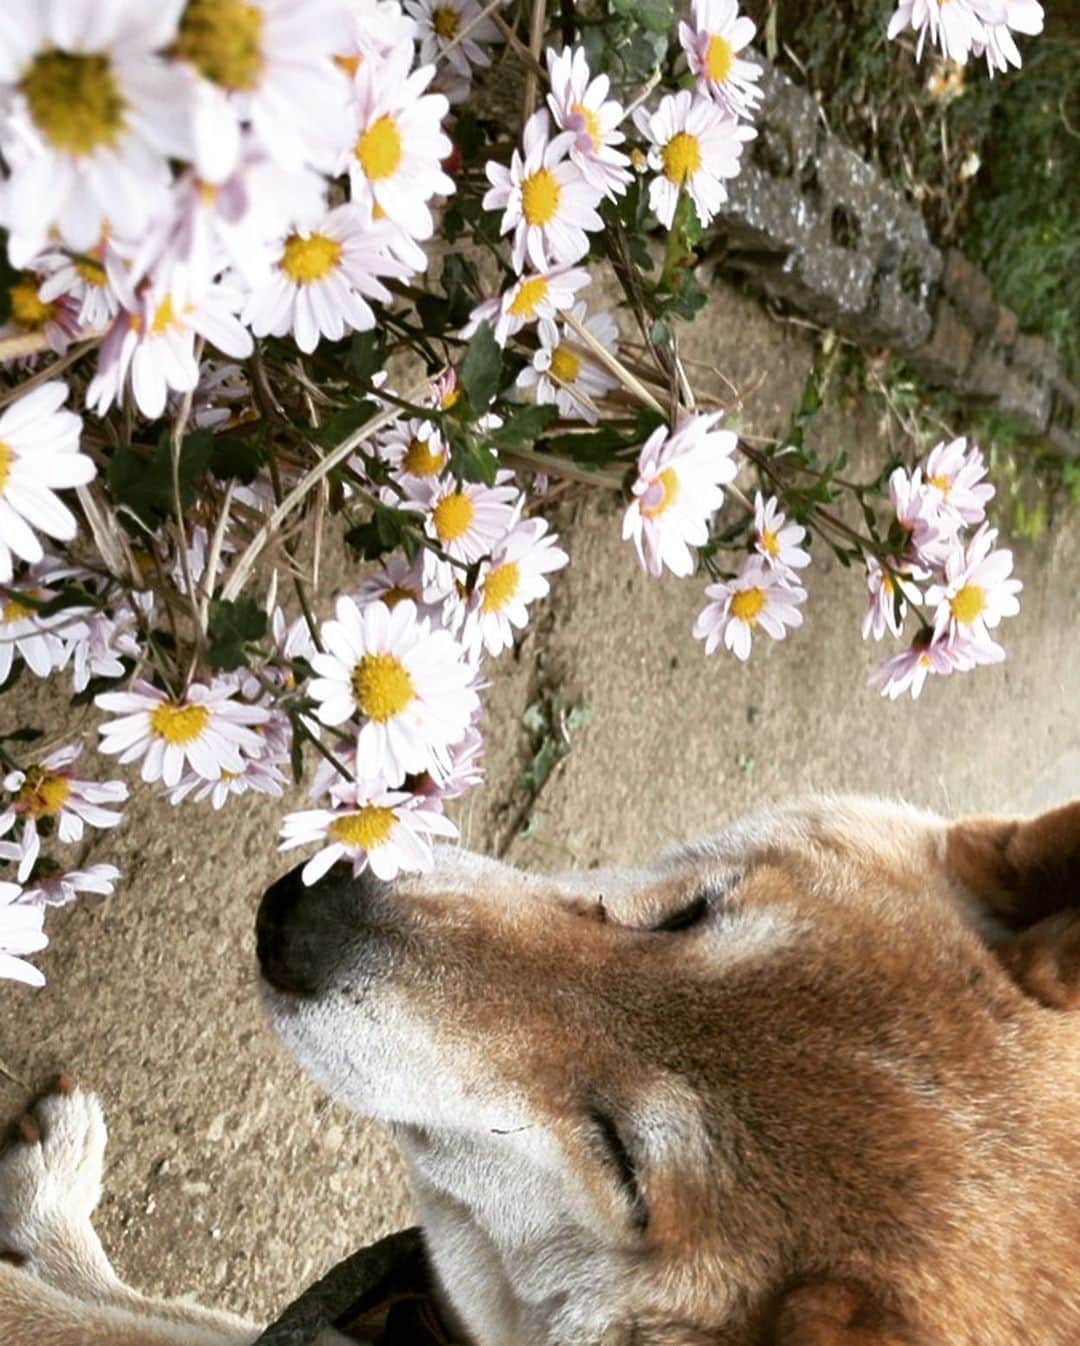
x,y
812,1081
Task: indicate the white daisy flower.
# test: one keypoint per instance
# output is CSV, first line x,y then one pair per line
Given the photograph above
x,y
441,22
535,298
91,281
93,115
1021,16
206,729
953,485
513,577
239,222
565,373
97,642
20,933
695,145
956,26
775,539
25,632
929,531
581,104
465,772
58,890
409,685
467,519
259,774
756,597
396,579
50,790
379,28
678,488
323,280
884,613
941,654
413,448
39,455
394,162
545,199
386,831
56,317
712,43
153,344
269,65
977,591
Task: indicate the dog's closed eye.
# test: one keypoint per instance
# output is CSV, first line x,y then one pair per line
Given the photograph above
x,y
620,1159
685,917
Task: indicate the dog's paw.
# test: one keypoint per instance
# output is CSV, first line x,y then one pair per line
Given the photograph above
x,y
50,1182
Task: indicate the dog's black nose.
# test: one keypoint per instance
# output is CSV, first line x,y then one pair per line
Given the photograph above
x,y
283,943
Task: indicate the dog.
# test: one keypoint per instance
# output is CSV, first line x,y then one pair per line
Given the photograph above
x,y
813,1081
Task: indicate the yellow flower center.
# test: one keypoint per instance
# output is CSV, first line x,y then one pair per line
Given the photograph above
x,y
770,542
420,460
500,586
27,308
452,394
662,493
592,123
565,364
223,41
178,723
446,21
540,194
14,611
718,59
681,157
382,686
943,484
530,293
306,260
379,149
91,271
164,317
367,829
41,794
397,593
350,64
7,457
968,603
453,516
747,604
74,100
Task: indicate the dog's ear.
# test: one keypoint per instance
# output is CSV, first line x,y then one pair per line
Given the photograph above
x,y
1025,875
1020,870
836,1313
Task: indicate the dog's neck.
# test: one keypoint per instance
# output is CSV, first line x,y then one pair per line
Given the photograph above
x,y
494,1219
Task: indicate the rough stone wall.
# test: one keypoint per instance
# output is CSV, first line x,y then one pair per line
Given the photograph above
x,y
811,223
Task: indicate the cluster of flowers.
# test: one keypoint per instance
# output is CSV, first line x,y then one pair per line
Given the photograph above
x,y
963,28
171,170
221,171
969,589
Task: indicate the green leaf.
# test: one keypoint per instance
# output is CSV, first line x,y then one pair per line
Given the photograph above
x,y
656,15
596,448
366,355
141,477
524,426
231,626
386,530
233,458
473,462
342,423
481,369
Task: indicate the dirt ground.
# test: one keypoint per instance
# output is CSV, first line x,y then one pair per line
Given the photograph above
x,y
232,1178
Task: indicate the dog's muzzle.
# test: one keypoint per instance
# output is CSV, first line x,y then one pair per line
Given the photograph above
x,y
301,932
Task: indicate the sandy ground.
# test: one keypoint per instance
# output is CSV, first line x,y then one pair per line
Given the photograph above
x,y
230,1176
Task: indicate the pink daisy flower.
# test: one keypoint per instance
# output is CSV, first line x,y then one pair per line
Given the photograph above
x,y
712,44
908,670
884,612
956,26
775,539
20,933
678,488
953,484
756,597
976,592
581,104
545,198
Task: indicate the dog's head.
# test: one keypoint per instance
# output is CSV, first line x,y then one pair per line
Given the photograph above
x,y
651,1101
